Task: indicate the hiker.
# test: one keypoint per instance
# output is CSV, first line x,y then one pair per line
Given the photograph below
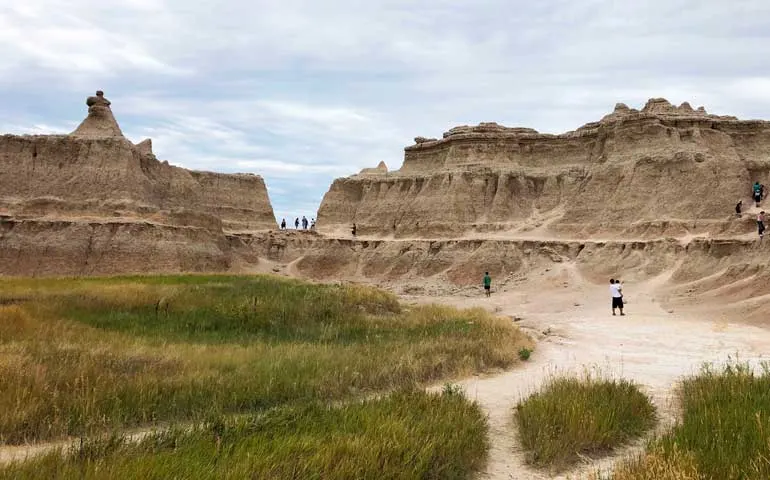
x,y
761,224
487,284
354,230
757,193
296,223
304,223
738,208
283,224
312,224
616,290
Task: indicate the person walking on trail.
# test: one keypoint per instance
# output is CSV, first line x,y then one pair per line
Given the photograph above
x,y
283,224
304,223
487,284
738,207
616,290
353,230
296,223
761,224
757,191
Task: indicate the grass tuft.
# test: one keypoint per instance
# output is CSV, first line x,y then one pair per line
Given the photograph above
x,y
724,432
571,417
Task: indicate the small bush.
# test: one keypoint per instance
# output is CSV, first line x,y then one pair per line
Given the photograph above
x,y
572,416
524,354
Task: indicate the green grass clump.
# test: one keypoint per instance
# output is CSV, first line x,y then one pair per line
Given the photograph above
x,y
724,432
84,356
407,435
570,417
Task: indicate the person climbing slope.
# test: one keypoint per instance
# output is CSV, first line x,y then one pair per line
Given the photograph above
x,y
761,224
757,193
616,290
487,284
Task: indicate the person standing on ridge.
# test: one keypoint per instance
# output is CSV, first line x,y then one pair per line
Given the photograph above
x,y
761,224
283,224
487,284
757,193
616,290
304,223
296,223
738,207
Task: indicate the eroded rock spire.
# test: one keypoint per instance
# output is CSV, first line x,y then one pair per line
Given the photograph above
x,y
100,122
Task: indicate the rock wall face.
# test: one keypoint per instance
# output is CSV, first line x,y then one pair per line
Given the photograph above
x,y
95,191
662,170
109,176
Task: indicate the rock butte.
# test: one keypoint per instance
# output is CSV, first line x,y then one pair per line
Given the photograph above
x,y
664,170
93,202
641,192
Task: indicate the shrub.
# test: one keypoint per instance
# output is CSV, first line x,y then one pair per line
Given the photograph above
x,y
524,354
570,417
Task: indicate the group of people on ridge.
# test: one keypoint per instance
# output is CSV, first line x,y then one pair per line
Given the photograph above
x,y
758,194
297,222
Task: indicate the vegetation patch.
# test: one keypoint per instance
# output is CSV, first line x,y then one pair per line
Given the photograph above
x,y
407,435
571,417
724,432
86,356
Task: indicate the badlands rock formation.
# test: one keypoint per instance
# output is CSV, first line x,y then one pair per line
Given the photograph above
x,y
93,202
641,193
659,172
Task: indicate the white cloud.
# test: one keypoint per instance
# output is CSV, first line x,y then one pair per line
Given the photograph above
x,y
302,91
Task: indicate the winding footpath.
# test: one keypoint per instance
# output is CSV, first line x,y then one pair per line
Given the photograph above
x,y
577,333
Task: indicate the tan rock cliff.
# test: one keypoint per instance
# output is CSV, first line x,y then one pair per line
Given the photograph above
x,y
662,170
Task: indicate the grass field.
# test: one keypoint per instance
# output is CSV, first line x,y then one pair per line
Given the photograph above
x,y
570,417
406,435
85,356
724,432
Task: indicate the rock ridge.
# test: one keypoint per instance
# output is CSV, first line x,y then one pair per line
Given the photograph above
x,y
662,163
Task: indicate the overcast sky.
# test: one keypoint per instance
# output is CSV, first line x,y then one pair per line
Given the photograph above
x,y
302,92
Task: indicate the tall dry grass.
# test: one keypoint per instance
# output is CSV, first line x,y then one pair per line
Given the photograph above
x,y
406,435
724,432
571,416
86,356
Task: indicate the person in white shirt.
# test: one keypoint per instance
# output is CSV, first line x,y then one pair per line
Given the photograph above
x,y
616,290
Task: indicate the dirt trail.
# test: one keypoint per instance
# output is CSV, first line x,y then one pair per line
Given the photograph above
x,y
649,345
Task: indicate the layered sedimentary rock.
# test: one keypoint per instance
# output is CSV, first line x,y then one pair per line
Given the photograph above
x,y
660,171
94,190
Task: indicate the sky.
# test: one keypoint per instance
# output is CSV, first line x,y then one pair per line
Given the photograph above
x,y
306,91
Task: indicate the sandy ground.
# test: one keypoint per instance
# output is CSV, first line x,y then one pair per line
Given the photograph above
x,y
571,319
577,333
